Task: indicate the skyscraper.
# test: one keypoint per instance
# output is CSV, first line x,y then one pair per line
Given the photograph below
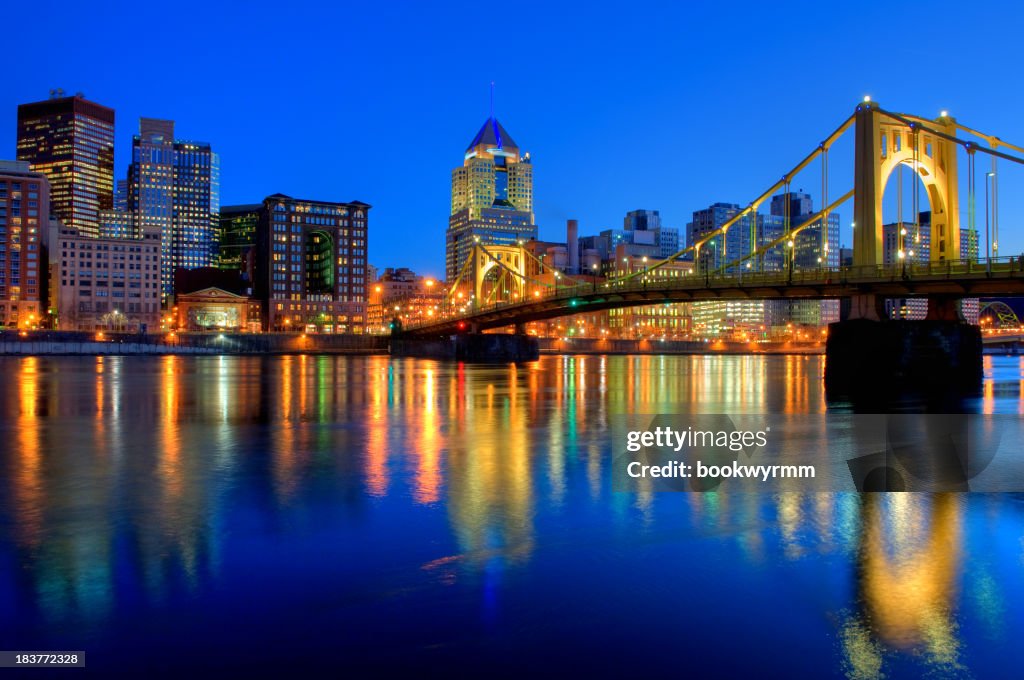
x,y
174,186
24,214
492,196
812,247
70,140
237,238
720,250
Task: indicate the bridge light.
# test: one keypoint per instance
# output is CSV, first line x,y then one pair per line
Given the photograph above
x,y
903,232
943,114
790,244
867,98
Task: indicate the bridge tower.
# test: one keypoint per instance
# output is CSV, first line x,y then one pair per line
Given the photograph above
x,y
882,143
511,263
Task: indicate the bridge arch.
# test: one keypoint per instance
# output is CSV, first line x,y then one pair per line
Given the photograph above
x,y
884,142
926,158
1002,313
500,267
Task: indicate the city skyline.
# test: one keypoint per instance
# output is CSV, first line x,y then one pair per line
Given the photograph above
x,y
614,123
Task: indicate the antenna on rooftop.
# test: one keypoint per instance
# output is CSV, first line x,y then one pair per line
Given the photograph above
x,y
492,99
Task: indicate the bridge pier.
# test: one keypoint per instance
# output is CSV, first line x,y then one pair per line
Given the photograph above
x,y
874,360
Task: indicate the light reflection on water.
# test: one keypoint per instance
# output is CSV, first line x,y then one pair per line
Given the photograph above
x,y
464,509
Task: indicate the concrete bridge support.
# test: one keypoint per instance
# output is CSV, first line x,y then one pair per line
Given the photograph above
x,y
873,360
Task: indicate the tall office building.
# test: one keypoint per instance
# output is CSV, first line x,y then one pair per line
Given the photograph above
x,y
720,250
492,196
70,140
236,239
174,186
24,214
814,247
311,265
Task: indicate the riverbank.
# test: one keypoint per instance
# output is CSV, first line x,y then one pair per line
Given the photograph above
x,y
80,343
647,346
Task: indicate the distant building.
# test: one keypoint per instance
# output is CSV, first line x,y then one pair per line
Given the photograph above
x,y
815,247
117,224
70,140
24,215
214,309
713,318
909,243
310,264
810,248
121,195
237,238
174,186
492,196
403,294
673,320
666,238
718,251
104,283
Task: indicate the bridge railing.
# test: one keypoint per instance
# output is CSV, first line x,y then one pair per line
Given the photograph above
x,y
746,279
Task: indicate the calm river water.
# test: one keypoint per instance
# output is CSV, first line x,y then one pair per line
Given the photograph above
x,y
370,514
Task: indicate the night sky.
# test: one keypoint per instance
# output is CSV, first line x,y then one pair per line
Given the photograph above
x,y
667,106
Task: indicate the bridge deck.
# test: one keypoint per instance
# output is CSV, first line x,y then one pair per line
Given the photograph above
x,y
963,279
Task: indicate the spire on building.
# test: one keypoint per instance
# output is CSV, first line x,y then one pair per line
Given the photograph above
x,y
493,136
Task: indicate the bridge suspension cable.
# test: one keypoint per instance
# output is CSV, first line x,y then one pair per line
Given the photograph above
x,y
815,218
749,210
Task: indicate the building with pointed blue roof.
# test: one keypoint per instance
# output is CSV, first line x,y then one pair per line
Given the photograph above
x,y
492,196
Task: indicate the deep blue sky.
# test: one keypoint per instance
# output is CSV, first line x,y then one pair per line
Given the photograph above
x,y
668,106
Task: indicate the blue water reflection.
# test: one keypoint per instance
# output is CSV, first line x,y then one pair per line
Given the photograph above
x,y
303,512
